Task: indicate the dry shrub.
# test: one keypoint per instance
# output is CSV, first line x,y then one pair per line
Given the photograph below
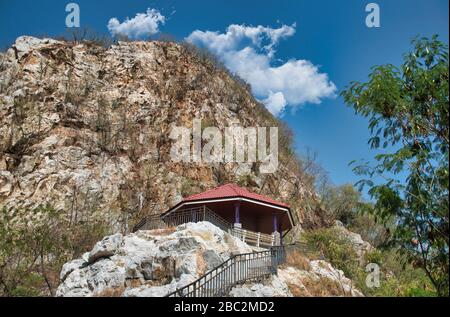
x,y
297,260
297,291
323,287
164,232
133,283
111,292
201,264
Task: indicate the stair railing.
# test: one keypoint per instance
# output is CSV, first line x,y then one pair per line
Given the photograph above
x,y
238,269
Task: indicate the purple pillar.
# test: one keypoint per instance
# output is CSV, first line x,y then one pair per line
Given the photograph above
x,y
275,222
237,216
280,230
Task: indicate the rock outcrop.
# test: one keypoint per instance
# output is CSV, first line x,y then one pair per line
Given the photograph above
x,y
105,248
149,263
320,279
86,128
157,262
360,246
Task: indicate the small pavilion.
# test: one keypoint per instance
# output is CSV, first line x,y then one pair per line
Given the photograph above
x,y
246,210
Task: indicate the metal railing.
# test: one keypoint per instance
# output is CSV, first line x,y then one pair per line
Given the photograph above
x,y
257,239
203,213
196,214
149,223
236,270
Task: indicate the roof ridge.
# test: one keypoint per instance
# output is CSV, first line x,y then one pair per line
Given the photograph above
x,y
233,187
209,190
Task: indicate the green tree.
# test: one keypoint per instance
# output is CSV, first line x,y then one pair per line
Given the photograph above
x,y
34,245
408,110
343,202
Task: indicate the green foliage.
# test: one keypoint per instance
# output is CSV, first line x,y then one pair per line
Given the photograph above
x,y
370,228
397,278
408,109
335,249
244,180
29,286
345,203
188,187
34,244
375,256
342,202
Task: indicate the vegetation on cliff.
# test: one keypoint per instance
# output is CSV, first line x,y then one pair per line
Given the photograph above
x,y
408,109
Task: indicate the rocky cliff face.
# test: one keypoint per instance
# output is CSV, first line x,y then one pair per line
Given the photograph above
x,y
156,262
86,129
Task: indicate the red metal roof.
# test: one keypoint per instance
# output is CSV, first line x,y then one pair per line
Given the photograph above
x,y
232,190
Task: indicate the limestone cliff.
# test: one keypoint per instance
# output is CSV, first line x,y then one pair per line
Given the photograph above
x,y
86,129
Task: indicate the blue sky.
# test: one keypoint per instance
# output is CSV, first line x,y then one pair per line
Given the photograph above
x,y
331,35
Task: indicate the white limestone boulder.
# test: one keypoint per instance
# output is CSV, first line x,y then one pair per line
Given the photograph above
x,y
105,248
149,263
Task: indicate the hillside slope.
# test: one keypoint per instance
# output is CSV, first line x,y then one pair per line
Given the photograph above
x,y
86,129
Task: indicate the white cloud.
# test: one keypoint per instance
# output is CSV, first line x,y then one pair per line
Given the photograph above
x,y
275,103
249,51
142,25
